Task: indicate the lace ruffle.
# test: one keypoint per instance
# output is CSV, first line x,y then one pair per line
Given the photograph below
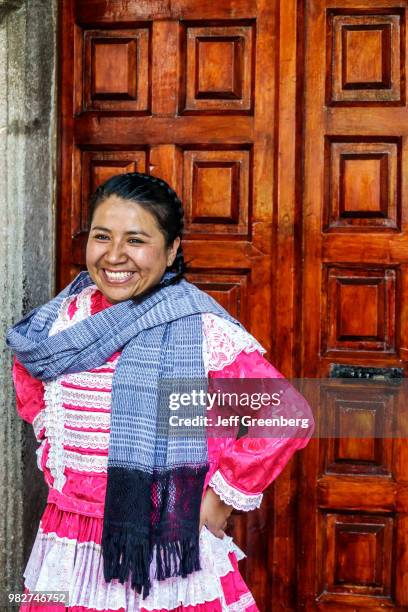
x,y
242,604
100,400
91,380
38,424
232,496
64,564
83,303
54,424
86,439
223,342
85,463
87,420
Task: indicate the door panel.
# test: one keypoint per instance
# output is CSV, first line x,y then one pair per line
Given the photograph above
x,y
353,490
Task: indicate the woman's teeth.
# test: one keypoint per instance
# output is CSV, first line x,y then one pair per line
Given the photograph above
x,y
118,276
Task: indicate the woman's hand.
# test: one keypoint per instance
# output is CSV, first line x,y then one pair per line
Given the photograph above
x,y
214,513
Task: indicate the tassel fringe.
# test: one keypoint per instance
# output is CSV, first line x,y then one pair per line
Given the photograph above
x,y
125,553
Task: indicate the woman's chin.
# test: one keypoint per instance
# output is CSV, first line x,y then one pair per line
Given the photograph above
x,y
117,294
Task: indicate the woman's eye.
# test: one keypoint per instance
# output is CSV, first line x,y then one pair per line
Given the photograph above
x,y
100,236
135,241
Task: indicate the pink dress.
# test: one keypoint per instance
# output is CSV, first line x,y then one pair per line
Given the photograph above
x,y
70,416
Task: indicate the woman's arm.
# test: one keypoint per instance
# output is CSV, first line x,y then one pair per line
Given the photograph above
x,y
247,466
29,398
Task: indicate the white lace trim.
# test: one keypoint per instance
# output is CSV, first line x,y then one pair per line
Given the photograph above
x,y
87,399
39,452
91,380
232,496
242,604
223,341
63,564
85,463
87,420
83,310
54,424
38,424
86,439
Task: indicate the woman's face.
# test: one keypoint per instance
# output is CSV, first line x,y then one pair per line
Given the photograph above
x,y
126,253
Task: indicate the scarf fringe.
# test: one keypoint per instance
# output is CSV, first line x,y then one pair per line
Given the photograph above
x,y
178,558
125,553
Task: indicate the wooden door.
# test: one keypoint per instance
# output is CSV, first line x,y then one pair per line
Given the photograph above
x,y
189,91
283,126
353,501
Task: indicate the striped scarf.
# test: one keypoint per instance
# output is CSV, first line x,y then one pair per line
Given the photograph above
x,y
155,474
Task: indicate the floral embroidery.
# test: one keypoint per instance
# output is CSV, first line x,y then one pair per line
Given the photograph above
x,y
223,341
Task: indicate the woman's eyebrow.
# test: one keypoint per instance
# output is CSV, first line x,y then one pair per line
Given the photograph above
x,y
135,231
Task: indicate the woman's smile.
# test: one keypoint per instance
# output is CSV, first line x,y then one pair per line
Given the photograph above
x,y
117,277
126,252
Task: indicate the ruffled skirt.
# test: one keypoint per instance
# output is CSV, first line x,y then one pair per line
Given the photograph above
x,y
66,556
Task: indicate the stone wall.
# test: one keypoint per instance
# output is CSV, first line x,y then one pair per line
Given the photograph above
x,y
28,50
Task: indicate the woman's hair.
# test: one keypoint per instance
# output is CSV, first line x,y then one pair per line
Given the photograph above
x,y
154,195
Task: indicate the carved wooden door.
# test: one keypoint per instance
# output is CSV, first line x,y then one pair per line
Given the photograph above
x,y
283,126
186,90
353,501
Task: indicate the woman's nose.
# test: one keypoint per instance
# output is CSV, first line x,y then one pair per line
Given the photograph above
x,y
115,253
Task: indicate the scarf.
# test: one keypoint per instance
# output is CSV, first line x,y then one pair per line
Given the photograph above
x,y
155,475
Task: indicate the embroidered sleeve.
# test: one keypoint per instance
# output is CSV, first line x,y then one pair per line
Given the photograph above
x,y
248,465
223,342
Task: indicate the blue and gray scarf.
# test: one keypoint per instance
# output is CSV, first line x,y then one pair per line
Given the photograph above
x,y
155,475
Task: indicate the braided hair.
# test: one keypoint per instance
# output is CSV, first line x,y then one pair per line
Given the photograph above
x,y
158,198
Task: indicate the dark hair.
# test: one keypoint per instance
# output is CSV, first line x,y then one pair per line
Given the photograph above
x,y
157,197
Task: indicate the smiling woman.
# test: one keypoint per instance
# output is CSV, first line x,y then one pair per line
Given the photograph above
x,y
136,515
128,248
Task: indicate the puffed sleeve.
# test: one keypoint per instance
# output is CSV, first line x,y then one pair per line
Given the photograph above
x,y
247,466
29,398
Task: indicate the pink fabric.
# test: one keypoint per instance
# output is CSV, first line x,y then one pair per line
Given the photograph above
x,y
76,512
248,465
89,529
210,606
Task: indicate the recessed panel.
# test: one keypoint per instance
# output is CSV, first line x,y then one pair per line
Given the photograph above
x,y
228,288
217,68
358,554
360,310
357,428
99,166
363,185
216,191
215,77
365,59
116,72
366,56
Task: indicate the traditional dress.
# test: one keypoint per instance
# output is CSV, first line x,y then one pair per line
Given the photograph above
x,y
70,416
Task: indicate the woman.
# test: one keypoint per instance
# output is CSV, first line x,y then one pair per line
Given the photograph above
x,y
136,513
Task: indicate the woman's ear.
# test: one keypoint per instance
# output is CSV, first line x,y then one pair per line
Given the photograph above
x,y
172,252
